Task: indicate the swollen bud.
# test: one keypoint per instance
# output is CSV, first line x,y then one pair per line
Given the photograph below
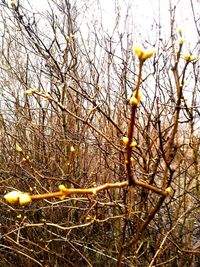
x,y
190,58
133,100
30,91
148,54
18,148
139,95
24,199
125,140
141,53
168,190
13,197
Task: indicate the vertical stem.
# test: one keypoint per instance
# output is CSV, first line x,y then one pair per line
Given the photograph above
x,y
131,125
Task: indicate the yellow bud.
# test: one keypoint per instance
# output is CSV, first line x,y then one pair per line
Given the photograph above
x,y
13,197
133,100
19,216
62,197
89,217
168,190
61,187
181,41
190,58
72,149
12,3
132,159
94,191
193,57
30,92
94,184
186,57
133,144
180,31
148,54
138,51
125,140
24,199
141,53
18,148
139,96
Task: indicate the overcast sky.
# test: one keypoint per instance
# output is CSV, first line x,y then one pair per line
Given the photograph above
x,y
147,12
143,14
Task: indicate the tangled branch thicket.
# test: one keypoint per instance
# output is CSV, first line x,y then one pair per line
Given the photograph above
x,y
100,142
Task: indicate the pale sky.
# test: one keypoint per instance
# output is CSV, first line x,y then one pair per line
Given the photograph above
x,y
142,13
143,16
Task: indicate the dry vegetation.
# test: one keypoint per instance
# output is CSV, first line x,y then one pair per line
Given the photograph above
x,y
65,108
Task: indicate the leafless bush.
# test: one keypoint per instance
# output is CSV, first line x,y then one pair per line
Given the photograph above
x,y
66,121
